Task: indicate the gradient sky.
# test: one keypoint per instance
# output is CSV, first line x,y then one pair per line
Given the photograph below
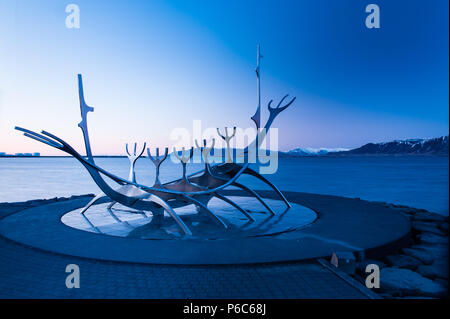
x,y
152,66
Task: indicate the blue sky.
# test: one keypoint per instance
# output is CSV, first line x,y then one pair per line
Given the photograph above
x,y
152,66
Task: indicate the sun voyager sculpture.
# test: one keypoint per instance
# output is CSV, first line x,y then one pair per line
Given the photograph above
x,y
197,188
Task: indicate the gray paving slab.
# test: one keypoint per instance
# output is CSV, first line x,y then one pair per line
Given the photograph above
x,y
27,272
31,273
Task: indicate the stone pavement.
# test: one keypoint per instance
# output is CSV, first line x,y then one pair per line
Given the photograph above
x,y
27,272
31,273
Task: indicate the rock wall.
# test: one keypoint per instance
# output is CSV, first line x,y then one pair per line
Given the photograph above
x,y
421,269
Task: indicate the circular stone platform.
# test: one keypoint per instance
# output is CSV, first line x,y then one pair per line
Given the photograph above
x,y
343,224
124,222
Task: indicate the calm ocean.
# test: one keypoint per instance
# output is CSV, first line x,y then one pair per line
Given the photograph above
x,y
421,182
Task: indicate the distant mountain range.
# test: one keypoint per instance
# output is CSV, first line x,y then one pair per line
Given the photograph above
x,y
314,151
432,146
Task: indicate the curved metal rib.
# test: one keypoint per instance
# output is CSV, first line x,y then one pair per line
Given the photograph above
x,y
256,196
92,202
158,200
40,139
117,219
85,208
90,224
205,209
259,198
110,206
253,173
235,205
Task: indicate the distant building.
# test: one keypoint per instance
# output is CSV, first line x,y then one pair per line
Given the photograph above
x,y
26,154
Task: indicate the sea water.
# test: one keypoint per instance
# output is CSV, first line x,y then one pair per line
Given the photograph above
x,y
417,181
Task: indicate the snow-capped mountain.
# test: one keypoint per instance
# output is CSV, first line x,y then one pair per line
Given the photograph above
x,y
431,146
314,151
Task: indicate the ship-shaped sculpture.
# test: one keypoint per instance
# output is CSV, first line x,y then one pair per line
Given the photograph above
x,y
197,188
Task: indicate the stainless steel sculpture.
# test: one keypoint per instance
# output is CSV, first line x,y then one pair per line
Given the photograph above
x,y
197,188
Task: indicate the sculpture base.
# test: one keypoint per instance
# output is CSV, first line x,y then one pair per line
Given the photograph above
x,y
124,222
343,224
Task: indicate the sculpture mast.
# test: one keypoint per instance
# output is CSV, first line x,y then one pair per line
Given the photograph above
x,y
257,117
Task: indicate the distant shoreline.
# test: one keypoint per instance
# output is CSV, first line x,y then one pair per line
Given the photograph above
x,y
366,155
58,156
279,155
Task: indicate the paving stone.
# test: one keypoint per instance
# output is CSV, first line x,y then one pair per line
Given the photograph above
x,y
31,273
